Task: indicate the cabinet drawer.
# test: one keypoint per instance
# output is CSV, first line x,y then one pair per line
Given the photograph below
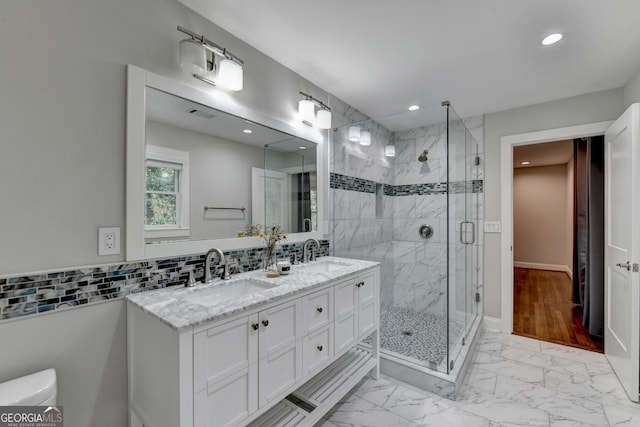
x,y
317,310
317,350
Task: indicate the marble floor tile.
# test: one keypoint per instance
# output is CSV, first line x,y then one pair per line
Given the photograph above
x,y
511,381
622,417
376,391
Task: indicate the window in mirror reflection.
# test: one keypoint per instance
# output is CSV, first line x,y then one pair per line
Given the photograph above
x,y
166,189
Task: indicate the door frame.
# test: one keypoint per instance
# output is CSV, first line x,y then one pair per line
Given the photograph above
x,y
507,143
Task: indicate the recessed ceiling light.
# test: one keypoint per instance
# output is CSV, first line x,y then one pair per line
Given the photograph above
x,y
414,107
247,131
525,162
302,148
551,39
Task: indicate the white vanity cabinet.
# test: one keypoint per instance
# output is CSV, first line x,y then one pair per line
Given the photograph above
x,y
356,309
245,364
238,370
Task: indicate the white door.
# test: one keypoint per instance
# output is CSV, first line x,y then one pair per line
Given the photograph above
x,y
269,201
622,249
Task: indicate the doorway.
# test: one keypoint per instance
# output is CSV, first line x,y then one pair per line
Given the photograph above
x,y
544,215
508,143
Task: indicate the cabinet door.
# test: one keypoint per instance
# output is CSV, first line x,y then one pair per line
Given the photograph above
x,y
280,365
317,310
225,373
346,321
367,304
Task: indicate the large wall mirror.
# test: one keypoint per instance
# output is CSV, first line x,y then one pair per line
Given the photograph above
x,y
203,172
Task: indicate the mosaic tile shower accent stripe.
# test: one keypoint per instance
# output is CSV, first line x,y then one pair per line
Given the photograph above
x,y
27,295
343,182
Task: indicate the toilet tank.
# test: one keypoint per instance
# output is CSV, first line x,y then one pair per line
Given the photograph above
x,y
37,389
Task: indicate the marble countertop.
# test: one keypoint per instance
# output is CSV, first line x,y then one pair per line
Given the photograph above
x,y
175,306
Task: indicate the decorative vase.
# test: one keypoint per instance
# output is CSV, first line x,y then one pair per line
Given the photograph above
x,y
269,262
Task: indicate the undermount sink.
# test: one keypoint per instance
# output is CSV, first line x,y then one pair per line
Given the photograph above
x,y
226,291
324,266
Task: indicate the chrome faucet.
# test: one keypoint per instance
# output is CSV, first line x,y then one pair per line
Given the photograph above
x,y
207,265
306,257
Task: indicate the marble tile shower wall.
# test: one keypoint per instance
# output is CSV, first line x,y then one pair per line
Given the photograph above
x,y
25,295
413,270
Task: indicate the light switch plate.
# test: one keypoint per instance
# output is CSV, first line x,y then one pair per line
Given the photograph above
x,y
492,227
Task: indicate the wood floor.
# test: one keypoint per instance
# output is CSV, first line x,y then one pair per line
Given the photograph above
x,y
542,309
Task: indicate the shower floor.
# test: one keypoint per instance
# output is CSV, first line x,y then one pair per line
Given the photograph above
x,y
414,334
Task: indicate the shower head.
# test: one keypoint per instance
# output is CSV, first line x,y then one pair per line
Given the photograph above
x,y
423,157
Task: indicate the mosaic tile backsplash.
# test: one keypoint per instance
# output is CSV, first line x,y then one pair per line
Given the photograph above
x,y
27,295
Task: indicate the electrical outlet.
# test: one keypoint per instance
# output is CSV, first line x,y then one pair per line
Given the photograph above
x,y
109,241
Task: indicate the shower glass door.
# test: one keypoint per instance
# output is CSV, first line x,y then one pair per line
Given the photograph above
x,y
462,234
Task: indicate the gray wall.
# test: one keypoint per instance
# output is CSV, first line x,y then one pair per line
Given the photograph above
x,y
88,348
62,168
589,108
632,90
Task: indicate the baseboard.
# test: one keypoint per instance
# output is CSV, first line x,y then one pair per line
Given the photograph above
x,y
549,267
493,323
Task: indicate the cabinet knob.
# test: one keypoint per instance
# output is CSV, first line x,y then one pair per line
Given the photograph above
x,y
319,309
265,323
255,326
359,284
320,348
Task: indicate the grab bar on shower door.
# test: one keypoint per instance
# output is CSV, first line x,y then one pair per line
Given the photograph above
x,y
463,233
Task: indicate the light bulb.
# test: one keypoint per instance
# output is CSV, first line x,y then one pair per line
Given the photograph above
x,y
323,120
230,75
365,138
390,150
193,57
354,133
307,111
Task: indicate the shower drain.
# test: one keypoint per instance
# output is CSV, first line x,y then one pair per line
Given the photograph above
x,y
407,333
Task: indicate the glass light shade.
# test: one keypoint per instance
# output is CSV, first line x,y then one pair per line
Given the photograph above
x,y
193,56
307,111
230,75
323,120
354,133
390,150
365,137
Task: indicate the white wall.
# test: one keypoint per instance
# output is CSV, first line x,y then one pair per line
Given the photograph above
x,y
213,160
588,108
540,216
62,168
632,90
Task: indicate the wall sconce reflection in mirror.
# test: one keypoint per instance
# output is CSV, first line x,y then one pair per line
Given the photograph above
x,y
210,62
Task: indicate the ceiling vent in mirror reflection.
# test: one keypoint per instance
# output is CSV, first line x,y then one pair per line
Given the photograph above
x,y
199,113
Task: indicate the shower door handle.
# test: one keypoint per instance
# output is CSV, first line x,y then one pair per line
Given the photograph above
x,y
463,232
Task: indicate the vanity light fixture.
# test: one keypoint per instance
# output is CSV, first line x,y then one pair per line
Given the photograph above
x,y
390,150
365,138
551,39
354,133
195,58
307,112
